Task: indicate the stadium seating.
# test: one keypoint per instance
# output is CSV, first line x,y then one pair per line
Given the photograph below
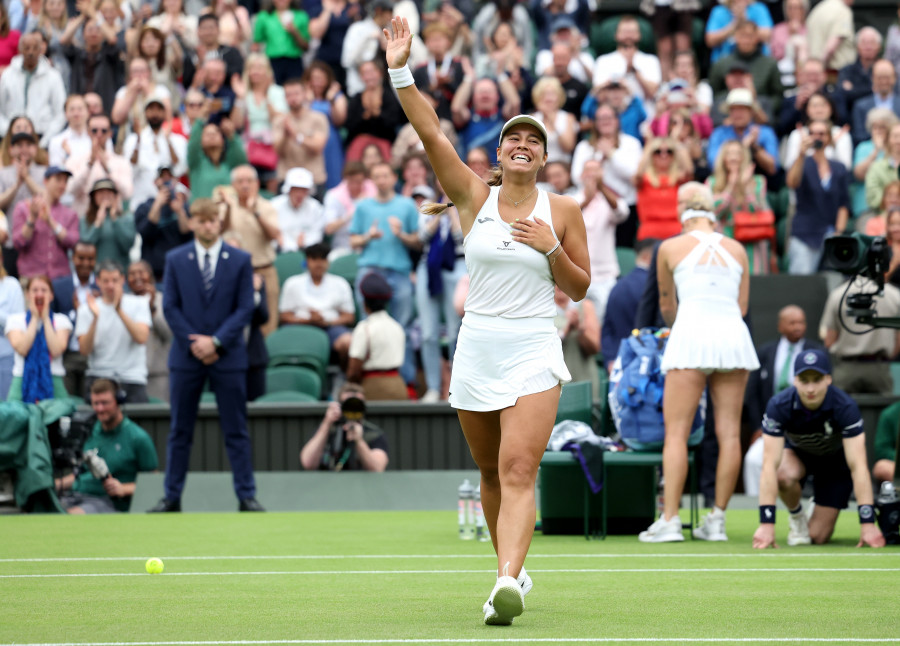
x,y
575,402
345,267
299,345
289,264
626,259
286,396
293,378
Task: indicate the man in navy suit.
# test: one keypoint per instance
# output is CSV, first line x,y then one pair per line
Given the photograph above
x,y
884,80
208,304
776,372
69,292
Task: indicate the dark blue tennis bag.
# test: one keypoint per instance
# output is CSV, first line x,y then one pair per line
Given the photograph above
x,y
636,392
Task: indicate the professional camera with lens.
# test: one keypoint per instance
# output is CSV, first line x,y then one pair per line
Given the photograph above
x,y
342,448
353,409
67,436
860,255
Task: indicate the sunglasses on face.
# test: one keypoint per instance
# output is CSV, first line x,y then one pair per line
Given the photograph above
x,y
99,131
662,151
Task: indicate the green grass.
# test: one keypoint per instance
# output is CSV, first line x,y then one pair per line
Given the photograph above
x,y
404,576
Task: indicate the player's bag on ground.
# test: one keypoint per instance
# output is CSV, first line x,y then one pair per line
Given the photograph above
x,y
636,392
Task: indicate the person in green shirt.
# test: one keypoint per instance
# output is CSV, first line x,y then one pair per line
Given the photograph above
x,y
126,449
284,31
106,226
212,152
886,443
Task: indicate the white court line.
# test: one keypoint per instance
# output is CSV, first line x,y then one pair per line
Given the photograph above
x,y
384,572
325,557
509,640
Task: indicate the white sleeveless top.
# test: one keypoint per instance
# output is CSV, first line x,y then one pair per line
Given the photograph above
x,y
507,278
709,332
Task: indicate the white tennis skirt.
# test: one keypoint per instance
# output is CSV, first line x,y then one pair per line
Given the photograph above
x,y
498,360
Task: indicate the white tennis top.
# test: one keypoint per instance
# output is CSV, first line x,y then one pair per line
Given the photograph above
x,y
507,278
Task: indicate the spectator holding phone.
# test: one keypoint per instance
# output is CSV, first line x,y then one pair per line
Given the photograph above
x,y
162,221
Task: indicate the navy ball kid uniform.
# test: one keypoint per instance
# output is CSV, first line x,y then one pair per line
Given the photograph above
x,y
816,436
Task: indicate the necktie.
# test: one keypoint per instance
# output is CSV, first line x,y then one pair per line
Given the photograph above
x,y
207,272
783,378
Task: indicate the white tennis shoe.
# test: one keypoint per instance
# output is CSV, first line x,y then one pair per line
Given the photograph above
x,y
712,527
524,582
798,534
663,531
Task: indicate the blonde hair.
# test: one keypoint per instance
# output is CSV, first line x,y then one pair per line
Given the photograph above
x,y
548,83
720,174
255,58
675,169
696,196
433,208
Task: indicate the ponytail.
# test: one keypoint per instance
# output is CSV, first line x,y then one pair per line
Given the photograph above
x,y
433,208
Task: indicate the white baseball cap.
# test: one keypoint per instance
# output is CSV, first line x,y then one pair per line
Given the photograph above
x,y
525,118
298,178
740,96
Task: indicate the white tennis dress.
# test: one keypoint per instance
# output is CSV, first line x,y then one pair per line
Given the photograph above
x,y
508,345
709,332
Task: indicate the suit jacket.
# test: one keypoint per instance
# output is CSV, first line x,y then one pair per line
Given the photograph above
x,y
761,385
860,110
224,312
64,297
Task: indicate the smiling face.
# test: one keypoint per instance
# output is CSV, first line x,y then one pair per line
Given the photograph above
x,y
818,108
606,121
522,149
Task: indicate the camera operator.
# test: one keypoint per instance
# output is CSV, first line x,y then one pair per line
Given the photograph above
x,y
861,354
345,440
106,485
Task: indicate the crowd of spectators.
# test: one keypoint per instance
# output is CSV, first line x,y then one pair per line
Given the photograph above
x,y
116,116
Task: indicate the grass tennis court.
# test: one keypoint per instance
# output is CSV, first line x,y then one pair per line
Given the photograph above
x,y
404,577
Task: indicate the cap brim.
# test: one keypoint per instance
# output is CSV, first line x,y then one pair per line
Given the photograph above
x,y
525,118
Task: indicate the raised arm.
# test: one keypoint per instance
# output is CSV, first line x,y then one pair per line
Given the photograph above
x,y
467,191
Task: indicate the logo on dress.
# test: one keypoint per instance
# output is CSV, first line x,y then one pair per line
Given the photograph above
x,y
809,358
505,243
483,220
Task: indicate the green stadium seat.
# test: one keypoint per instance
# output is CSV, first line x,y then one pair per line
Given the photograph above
x,y
345,267
286,396
154,400
289,264
626,258
575,402
299,345
294,378
208,398
895,375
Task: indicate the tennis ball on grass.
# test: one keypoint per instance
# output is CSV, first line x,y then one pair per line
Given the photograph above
x,y
154,566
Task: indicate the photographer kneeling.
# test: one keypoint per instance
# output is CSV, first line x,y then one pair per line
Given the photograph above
x,y
345,440
115,451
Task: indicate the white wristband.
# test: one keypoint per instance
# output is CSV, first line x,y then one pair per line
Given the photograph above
x,y
401,77
553,249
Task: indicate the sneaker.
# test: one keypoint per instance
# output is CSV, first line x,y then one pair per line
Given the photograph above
x,y
712,528
663,531
799,530
505,603
431,397
524,582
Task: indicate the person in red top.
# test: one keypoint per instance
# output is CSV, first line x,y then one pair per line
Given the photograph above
x,y
9,39
665,165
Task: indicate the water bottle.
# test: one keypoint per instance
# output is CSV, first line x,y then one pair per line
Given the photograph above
x,y
481,530
466,511
888,493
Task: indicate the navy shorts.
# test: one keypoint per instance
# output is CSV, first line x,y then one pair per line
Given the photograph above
x,y
334,331
832,480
